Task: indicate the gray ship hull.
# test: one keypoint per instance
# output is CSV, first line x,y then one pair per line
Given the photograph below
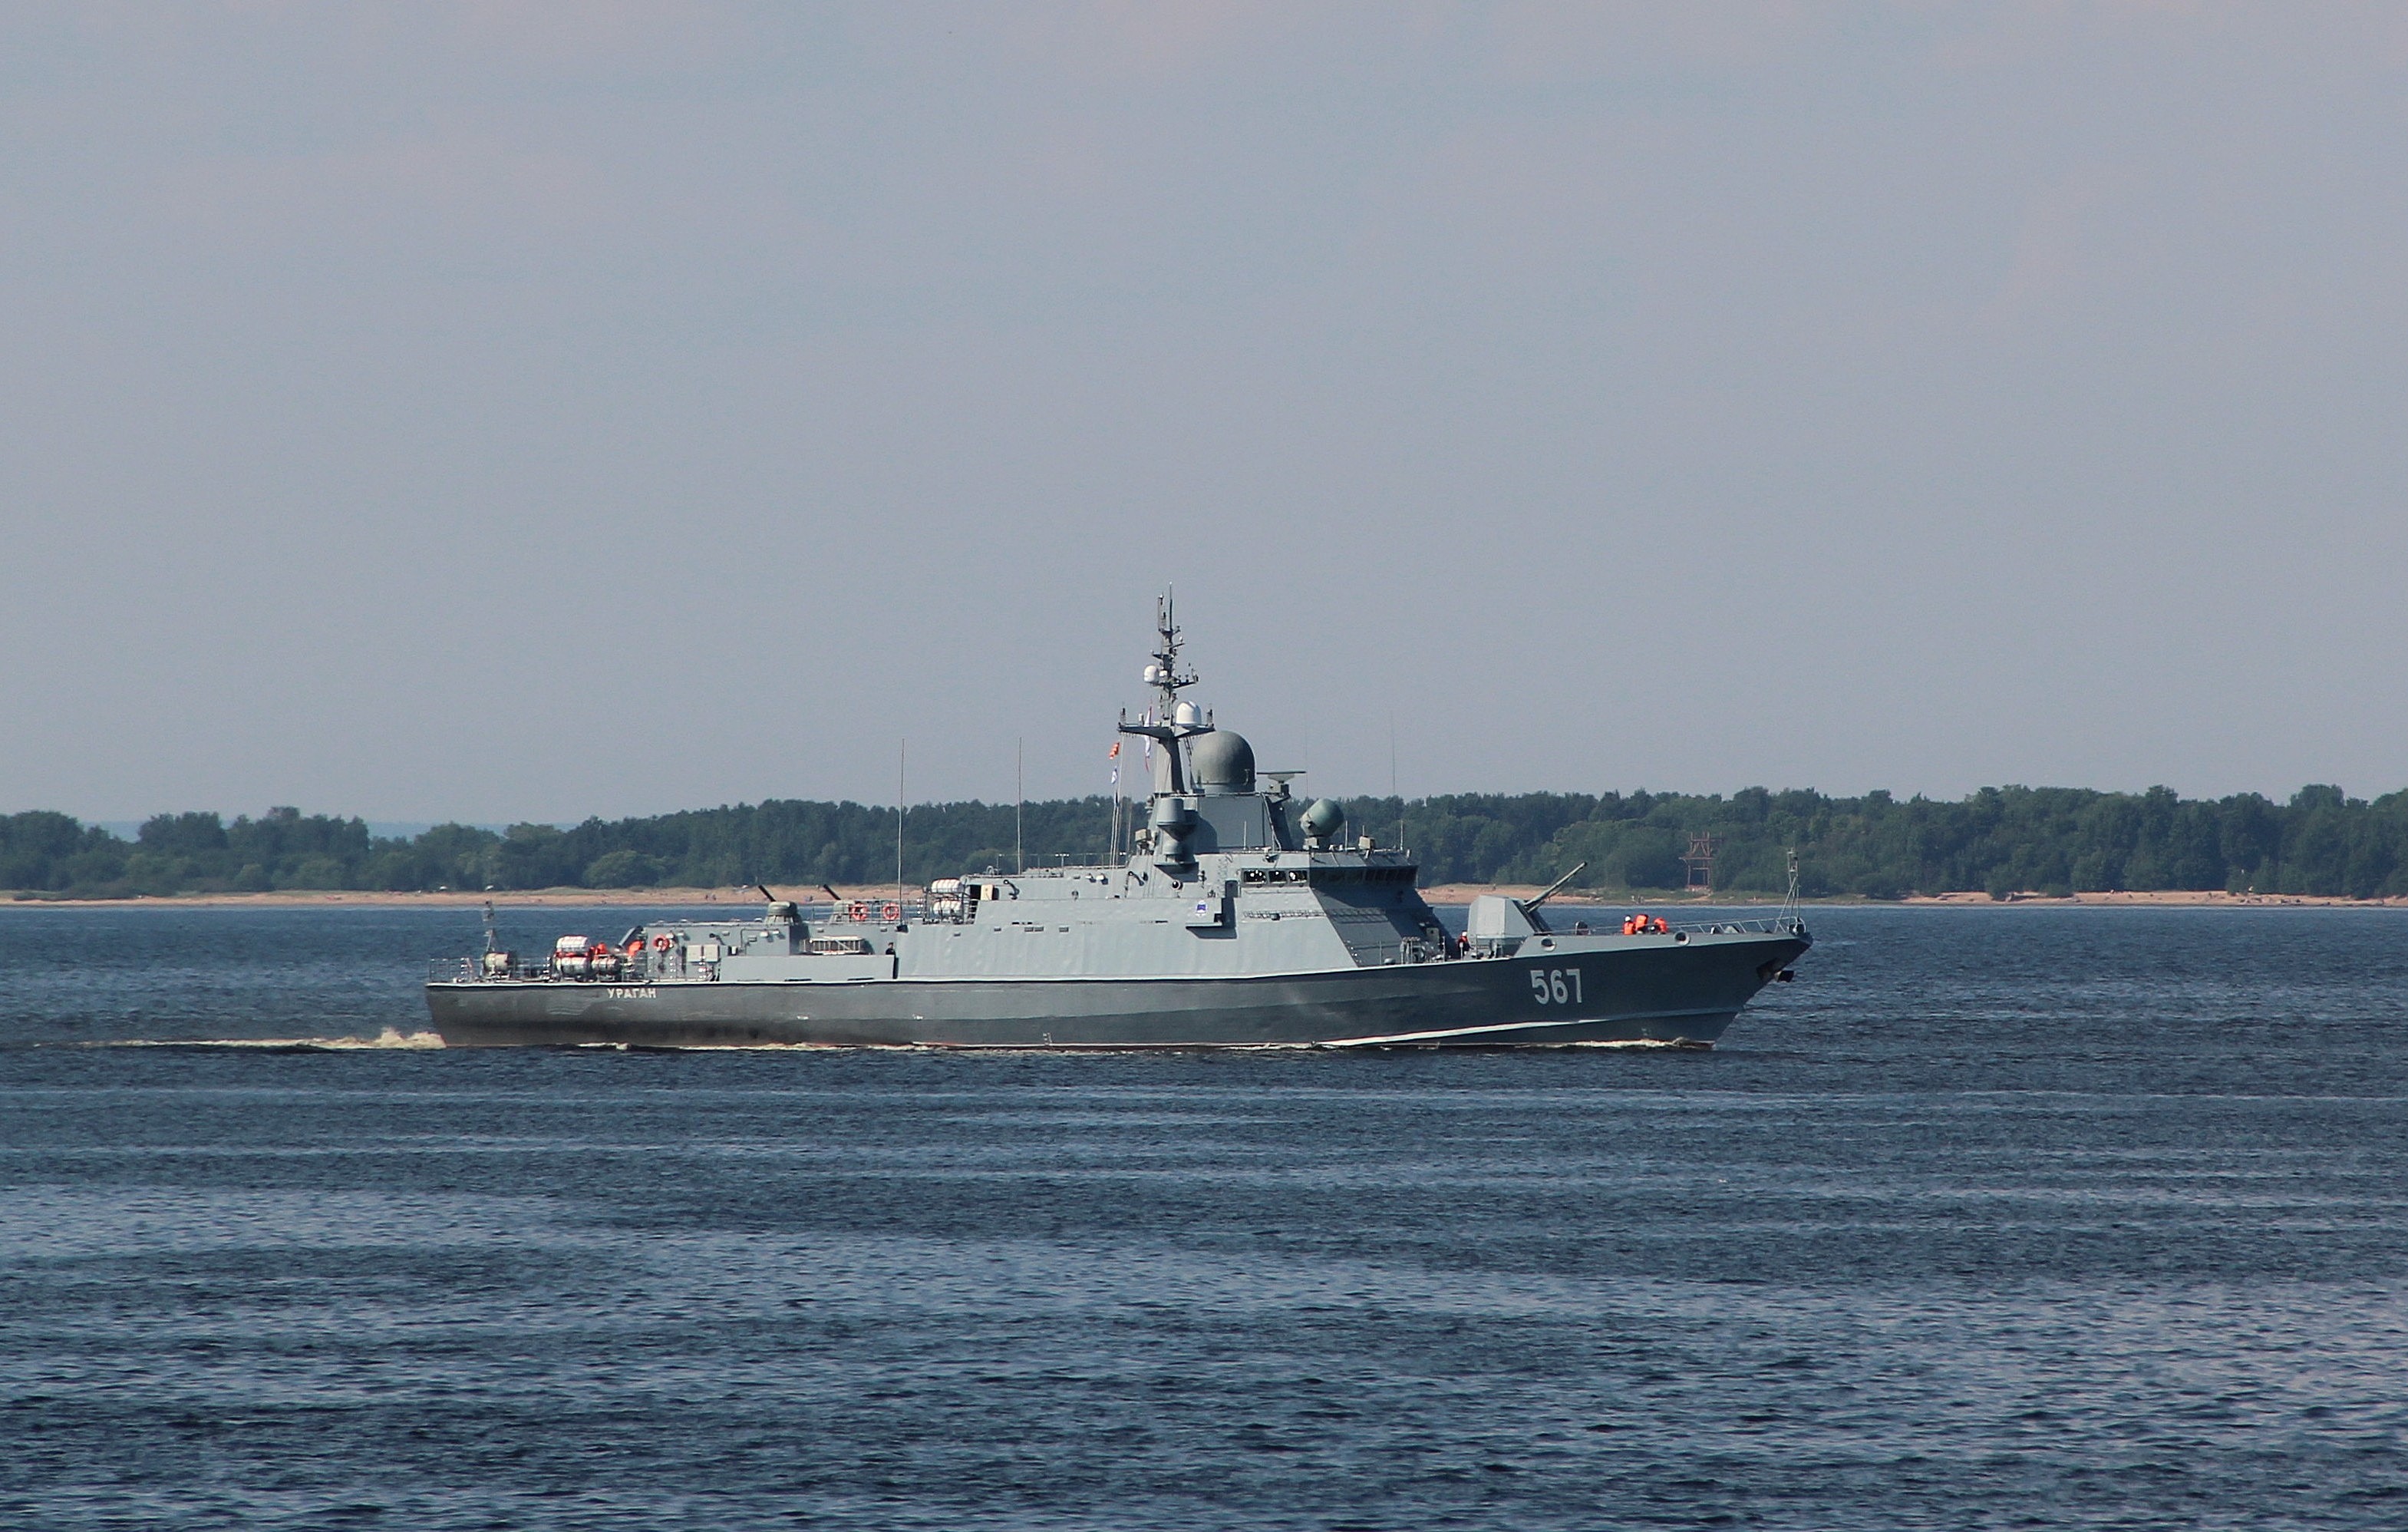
x,y
1604,989
1230,914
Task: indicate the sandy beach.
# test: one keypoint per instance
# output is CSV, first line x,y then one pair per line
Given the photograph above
x,y
2217,897
1453,893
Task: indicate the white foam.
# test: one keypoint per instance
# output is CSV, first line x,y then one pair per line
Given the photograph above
x,y
391,1037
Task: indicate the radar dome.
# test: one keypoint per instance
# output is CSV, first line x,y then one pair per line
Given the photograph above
x,y
1222,762
1324,819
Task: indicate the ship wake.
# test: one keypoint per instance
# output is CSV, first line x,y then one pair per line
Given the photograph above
x,y
391,1038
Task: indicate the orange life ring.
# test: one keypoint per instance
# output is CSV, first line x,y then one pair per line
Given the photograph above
x,y
857,910
890,910
662,944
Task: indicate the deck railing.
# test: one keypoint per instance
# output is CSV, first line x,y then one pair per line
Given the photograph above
x,y
467,971
1773,925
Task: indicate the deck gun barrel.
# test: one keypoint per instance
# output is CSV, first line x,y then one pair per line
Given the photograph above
x,y
1530,907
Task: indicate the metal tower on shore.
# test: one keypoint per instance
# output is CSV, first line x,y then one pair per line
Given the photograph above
x,y
1700,863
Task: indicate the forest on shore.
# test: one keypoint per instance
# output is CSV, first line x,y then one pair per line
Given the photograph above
x,y
2000,841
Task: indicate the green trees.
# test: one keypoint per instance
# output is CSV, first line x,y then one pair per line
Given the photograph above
x,y
2002,840
179,852
43,850
624,869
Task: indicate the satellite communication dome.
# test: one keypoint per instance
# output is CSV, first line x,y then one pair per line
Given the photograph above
x,y
1222,762
1324,820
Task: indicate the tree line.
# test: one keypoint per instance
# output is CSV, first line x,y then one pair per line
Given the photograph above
x,y
2000,840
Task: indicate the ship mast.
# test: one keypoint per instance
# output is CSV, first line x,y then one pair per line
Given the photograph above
x,y
1164,671
1167,682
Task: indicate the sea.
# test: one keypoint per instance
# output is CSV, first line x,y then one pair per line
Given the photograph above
x,y
1997,1217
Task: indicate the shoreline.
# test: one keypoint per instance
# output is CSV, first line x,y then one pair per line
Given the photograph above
x,y
1450,894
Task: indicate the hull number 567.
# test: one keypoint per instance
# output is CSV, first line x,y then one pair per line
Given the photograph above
x,y
1556,986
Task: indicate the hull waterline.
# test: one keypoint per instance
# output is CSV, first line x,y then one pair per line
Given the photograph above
x,y
1686,992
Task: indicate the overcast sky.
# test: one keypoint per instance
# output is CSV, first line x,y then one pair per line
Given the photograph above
x,y
535,411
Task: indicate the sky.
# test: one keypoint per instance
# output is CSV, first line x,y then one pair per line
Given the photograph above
x,y
534,410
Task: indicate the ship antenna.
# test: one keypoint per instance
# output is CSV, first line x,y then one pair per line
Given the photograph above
x,y
1168,681
1163,725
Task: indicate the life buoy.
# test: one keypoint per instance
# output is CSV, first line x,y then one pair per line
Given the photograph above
x,y
890,910
662,944
857,910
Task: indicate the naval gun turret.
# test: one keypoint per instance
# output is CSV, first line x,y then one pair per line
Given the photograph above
x,y
1497,925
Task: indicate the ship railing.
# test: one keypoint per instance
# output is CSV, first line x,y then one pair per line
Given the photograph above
x,y
871,911
470,970
1770,925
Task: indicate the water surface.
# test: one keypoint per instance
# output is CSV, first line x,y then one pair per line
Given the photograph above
x,y
1998,1217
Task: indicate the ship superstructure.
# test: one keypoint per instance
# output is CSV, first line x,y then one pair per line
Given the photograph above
x,y
1237,915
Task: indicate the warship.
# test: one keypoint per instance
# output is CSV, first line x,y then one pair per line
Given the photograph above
x,y
1232,914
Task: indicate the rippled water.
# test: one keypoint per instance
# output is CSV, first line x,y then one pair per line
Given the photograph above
x,y
1997,1217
